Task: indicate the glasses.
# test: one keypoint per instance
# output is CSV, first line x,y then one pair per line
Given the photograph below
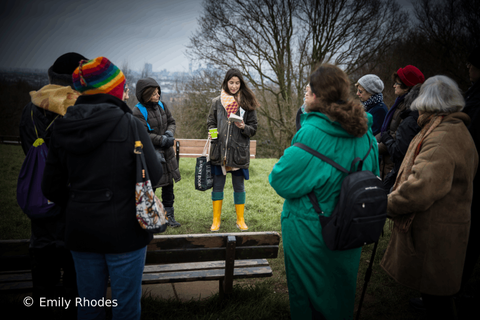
x,y
359,91
397,84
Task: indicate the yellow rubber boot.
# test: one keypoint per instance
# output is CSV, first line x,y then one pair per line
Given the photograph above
x,y
240,208
217,212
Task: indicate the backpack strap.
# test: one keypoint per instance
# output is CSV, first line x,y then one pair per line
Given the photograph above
x,y
361,161
311,194
144,111
35,127
321,156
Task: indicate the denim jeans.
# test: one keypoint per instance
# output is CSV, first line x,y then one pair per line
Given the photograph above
x,y
125,271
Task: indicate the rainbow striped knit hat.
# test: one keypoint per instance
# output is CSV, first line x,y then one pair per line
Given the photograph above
x,y
99,75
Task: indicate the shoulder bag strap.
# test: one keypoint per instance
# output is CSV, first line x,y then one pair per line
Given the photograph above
x,y
138,150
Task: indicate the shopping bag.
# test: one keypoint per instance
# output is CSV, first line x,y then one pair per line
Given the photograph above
x,y
150,212
203,170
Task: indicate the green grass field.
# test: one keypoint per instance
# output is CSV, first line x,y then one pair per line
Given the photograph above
x,y
252,299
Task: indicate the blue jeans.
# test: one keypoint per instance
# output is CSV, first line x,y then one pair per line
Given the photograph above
x,y
125,271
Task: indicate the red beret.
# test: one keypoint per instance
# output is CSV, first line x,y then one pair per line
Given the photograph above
x,y
411,76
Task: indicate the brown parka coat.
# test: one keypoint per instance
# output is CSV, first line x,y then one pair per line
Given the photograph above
x,y
430,256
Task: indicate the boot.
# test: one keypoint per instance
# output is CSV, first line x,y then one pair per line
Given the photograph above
x,y
171,217
217,212
239,199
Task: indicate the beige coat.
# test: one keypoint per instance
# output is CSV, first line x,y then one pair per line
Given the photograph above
x,y
430,256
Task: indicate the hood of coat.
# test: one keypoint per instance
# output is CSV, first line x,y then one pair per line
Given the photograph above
x,y
324,123
143,84
88,123
54,98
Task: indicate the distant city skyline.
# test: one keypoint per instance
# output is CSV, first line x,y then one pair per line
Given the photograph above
x,y
34,33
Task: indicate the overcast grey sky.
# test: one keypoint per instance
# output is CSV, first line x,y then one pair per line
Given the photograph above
x,y
33,33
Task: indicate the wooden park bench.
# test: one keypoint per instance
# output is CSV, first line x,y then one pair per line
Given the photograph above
x,y
219,257
193,148
10,140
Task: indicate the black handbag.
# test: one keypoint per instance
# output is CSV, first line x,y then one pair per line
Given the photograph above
x,y
203,170
150,212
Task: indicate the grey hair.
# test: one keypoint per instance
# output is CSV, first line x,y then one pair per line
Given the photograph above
x,y
439,94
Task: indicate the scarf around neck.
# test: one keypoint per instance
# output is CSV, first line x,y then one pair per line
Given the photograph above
x,y
373,100
389,116
229,103
428,122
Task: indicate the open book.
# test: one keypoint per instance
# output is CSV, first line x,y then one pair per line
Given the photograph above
x,y
235,118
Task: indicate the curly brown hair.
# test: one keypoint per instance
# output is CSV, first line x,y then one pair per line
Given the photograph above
x,y
331,87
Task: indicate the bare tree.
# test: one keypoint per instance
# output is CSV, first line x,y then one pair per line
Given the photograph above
x,y
277,44
450,30
193,101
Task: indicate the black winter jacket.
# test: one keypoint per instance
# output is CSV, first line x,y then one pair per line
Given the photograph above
x,y
90,170
397,147
160,121
232,142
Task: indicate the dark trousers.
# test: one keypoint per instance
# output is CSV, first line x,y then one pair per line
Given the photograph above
x,y
439,307
167,195
47,265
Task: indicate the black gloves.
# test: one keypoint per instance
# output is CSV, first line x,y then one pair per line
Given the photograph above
x,y
385,137
167,141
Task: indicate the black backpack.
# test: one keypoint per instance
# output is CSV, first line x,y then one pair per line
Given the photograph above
x,y
361,211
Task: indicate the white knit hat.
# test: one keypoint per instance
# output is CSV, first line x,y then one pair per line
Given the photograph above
x,y
372,83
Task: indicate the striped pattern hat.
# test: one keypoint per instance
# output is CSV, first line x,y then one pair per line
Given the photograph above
x,y
99,75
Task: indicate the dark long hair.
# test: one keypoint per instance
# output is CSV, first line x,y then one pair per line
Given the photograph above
x,y
248,100
332,90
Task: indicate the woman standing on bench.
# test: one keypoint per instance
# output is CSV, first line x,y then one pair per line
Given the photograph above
x,y
230,150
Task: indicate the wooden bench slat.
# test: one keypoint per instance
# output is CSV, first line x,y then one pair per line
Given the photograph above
x,y
16,286
213,240
193,148
18,276
205,275
176,256
203,265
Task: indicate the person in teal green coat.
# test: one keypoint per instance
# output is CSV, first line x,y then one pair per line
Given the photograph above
x,y
321,282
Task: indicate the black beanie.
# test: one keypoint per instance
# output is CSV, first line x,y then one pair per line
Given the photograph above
x,y
474,57
61,71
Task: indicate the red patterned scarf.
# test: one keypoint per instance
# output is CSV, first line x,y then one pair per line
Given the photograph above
x,y
229,103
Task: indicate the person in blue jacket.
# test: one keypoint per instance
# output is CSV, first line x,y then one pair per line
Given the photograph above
x,y
369,90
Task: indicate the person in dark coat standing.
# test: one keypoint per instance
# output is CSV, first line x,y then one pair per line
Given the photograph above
x,y
398,146
48,252
369,90
91,171
160,124
404,80
472,108
230,151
